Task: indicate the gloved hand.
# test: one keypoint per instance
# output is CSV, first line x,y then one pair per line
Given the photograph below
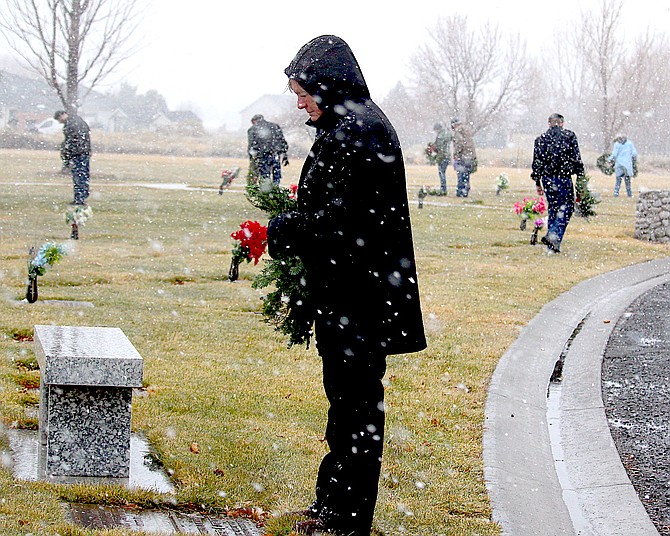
x,y
284,159
277,230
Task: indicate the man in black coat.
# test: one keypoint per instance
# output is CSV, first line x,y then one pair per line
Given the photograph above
x,y
353,234
556,158
267,148
76,151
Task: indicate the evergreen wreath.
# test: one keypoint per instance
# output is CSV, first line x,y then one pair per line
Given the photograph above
x,y
604,164
287,307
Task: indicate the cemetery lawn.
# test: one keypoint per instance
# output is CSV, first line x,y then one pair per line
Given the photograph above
x,y
235,416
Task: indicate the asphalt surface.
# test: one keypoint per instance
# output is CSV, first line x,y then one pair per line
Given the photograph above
x,y
587,375
636,392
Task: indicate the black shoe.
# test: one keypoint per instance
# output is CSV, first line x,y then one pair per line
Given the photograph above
x,y
552,248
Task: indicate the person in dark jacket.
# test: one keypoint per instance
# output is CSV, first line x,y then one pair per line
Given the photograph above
x,y
76,151
267,148
556,158
442,144
353,234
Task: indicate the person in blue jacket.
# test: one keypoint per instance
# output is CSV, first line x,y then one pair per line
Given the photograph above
x,y
624,157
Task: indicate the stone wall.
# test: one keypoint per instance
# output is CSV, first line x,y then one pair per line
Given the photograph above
x,y
652,216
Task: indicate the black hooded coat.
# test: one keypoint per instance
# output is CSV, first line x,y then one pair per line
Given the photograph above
x,y
352,228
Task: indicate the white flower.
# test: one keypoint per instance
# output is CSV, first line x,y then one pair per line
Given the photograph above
x,y
78,214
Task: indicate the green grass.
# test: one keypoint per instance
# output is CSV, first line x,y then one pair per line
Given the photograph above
x,y
154,262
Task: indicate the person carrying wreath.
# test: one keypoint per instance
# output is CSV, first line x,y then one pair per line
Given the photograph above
x,y
624,157
353,234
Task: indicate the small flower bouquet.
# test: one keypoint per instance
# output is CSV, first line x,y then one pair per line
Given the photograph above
x,y
431,153
227,177
287,306
252,241
77,215
502,183
539,224
48,255
532,208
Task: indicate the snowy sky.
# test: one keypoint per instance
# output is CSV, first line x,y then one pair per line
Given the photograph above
x,y
217,57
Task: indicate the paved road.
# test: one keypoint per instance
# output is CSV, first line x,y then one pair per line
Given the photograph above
x,y
636,392
551,465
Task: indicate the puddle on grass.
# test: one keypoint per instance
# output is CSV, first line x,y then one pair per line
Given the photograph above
x,y
94,516
58,303
145,472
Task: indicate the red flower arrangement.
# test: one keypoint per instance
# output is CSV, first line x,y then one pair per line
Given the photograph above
x,y
431,153
253,240
293,191
227,176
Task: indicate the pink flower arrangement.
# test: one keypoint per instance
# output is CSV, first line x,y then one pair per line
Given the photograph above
x,y
531,208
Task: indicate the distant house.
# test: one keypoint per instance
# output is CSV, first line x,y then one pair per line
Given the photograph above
x,y
273,107
185,122
103,112
114,120
25,102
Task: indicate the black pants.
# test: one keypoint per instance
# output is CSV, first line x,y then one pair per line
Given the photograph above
x,y
348,479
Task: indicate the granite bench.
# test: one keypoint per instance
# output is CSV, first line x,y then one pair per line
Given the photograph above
x,y
86,379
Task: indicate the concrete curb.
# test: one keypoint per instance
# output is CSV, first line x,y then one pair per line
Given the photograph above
x,y
555,470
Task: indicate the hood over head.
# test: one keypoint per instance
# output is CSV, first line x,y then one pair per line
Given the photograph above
x,y
327,69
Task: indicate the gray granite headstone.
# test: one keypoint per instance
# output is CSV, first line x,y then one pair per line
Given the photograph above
x,y
86,380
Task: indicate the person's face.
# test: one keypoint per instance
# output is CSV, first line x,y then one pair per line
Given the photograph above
x,y
306,101
62,118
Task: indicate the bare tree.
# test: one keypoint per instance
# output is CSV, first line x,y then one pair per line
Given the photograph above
x,y
645,79
606,83
405,114
479,75
70,42
600,42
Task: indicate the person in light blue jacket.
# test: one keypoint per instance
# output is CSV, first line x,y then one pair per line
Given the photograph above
x,y
624,156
